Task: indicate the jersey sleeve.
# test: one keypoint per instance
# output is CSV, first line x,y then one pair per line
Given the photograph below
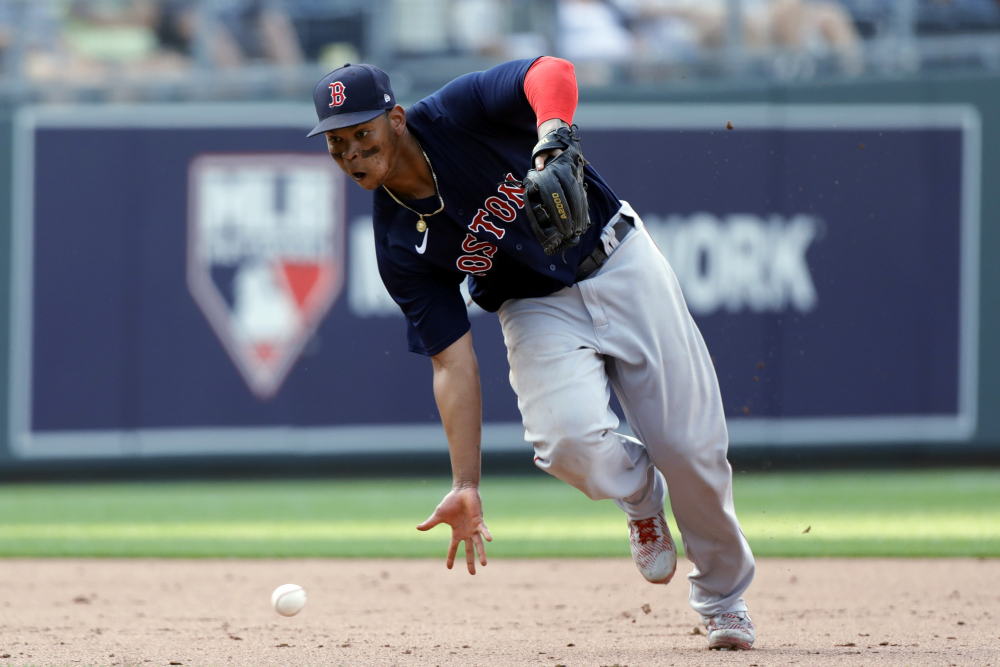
x,y
432,302
550,86
480,101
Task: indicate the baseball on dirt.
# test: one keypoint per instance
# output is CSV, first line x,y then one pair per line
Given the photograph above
x,y
288,599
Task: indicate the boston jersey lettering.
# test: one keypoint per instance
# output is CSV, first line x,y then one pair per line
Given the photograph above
x,y
478,132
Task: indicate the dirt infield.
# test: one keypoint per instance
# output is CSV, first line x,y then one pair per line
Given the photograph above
x,y
514,612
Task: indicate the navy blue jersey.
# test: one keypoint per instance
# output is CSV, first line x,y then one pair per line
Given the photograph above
x,y
478,132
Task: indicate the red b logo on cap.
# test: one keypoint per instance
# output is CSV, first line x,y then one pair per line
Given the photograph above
x,y
337,95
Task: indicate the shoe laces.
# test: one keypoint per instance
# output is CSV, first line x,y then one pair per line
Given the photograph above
x,y
647,530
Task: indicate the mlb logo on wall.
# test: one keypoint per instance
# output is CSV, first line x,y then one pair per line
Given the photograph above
x,y
265,255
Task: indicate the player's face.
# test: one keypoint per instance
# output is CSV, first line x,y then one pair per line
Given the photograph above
x,y
366,151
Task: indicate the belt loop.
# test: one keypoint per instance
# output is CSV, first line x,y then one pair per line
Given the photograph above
x,y
611,236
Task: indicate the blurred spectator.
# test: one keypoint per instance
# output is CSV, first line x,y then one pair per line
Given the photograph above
x,y
236,31
92,42
671,30
89,43
818,27
593,30
260,29
593,35
463,27
814,27
97,41
478,26
485,28
121,33
27,30
875,18
943,16
420,26
332,32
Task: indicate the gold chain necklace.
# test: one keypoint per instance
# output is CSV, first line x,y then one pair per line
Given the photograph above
x,y
421,225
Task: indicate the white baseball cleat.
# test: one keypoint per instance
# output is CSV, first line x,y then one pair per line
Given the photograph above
x,y
653,550
731,631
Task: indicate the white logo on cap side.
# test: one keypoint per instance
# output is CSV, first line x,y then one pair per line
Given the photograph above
x,y
386,99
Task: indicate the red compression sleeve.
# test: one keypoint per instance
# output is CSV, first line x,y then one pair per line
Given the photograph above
x,y
550,85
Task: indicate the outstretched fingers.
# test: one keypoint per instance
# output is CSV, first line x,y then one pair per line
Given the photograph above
x,y
470,556
464,514
452,550
484,531
477,540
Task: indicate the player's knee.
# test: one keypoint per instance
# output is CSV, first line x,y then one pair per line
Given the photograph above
x,y
573,471
572,454
566,437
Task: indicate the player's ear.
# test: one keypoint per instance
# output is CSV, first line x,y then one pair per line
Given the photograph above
x,y
397,120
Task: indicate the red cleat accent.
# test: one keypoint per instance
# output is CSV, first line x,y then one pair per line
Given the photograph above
x,y
653,550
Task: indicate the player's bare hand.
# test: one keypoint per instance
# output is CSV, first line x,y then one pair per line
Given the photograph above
x,y
462,509
548,126
545,156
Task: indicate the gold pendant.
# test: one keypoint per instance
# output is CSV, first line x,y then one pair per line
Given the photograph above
x,y
421,225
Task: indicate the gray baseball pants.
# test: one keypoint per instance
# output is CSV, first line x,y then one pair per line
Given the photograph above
x,y
628,327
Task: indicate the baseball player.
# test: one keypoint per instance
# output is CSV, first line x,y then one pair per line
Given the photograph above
x,y
485,181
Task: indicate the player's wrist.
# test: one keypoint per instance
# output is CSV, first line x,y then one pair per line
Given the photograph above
x,y
551,125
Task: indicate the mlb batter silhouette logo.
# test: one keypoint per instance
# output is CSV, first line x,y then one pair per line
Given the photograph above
x,y
265,255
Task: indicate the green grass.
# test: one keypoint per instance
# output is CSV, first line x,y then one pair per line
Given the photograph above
x,y
925,513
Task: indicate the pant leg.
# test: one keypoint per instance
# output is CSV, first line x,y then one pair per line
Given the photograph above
x,y
563,393
665,379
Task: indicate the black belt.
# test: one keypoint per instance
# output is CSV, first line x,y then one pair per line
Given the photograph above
x,y
596,259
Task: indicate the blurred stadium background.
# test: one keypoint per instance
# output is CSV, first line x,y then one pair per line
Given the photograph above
x,y
188,287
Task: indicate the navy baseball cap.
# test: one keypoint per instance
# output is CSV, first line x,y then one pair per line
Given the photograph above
x,y
350,95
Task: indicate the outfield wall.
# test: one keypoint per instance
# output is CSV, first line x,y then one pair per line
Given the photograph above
x,y
195,280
